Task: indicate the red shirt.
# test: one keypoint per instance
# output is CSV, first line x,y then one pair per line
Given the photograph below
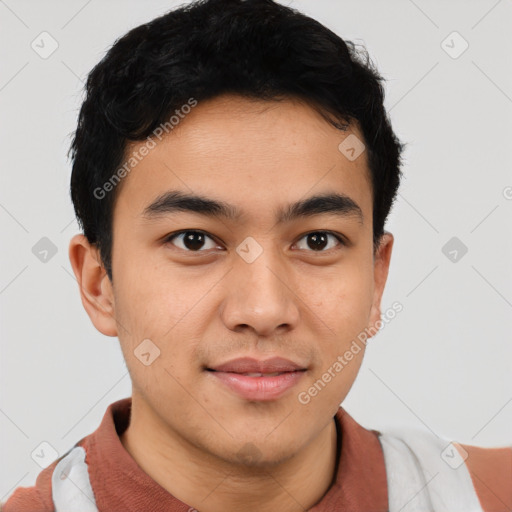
x,y
120,485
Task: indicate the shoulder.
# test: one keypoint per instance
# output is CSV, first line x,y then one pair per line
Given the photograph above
x,y
37,498
51,483
433,473
491,474
67,478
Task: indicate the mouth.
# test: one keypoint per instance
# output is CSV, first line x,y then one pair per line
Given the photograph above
x,y
256,380
253,374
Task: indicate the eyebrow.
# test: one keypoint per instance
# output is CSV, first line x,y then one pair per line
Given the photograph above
x,y
175,201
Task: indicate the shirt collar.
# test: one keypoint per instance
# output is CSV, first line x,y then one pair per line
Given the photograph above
x,y
120,484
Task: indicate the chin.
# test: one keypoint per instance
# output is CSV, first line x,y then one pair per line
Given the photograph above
x,y
260,453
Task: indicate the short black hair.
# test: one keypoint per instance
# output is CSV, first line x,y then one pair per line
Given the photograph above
x,y
255,48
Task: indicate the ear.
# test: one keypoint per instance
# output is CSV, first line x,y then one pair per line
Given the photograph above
x,y
95,287
380,271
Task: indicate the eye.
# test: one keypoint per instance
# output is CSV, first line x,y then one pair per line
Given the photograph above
x,y
317,241
192,241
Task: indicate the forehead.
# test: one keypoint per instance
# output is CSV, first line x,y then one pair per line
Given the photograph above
x,y
253,153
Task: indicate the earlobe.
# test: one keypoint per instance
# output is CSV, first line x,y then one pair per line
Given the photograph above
x,y
380,271
94,285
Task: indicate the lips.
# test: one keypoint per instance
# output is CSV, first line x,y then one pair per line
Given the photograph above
x,y
257,380
247,365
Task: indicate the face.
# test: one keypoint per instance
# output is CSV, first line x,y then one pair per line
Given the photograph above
x,y
249,296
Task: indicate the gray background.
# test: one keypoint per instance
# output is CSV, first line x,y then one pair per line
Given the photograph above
x,y
444,363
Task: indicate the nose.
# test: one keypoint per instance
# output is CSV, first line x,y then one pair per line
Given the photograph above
x,y
259,297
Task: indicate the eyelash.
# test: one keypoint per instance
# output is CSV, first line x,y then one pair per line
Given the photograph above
x,y
338,237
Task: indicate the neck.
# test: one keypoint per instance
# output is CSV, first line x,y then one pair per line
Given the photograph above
x,y
181,469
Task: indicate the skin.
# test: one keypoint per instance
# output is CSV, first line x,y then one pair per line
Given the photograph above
x,y
187,430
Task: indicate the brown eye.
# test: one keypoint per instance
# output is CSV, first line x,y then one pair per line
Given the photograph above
x,y
192,241
317,241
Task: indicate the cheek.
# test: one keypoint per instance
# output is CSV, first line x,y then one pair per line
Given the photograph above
x,y
170,309
341,309
342,298
155,301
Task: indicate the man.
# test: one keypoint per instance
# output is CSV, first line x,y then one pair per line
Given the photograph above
x,y
233,169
